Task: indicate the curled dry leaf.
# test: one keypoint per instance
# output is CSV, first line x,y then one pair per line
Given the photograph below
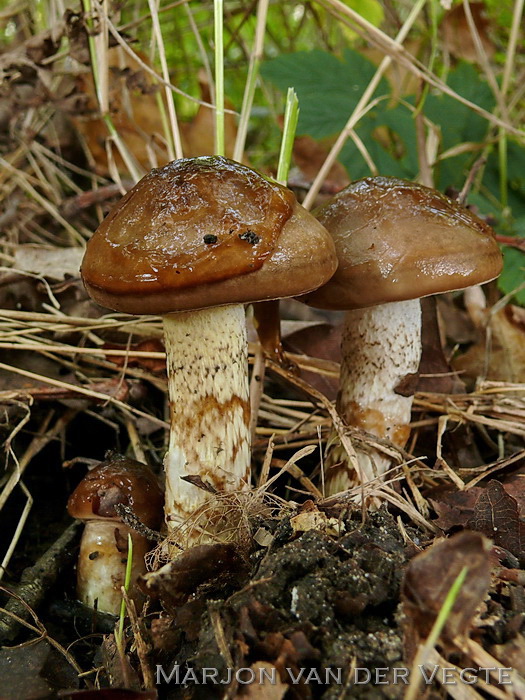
x,y
428,580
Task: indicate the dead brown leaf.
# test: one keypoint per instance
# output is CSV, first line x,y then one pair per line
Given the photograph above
x,y
46,261
34,671
455,508
309,155
514,485
428,580
134,111
505,359
434,372
321,340
164,635
496,515
198,134
457,37
153,365
213,564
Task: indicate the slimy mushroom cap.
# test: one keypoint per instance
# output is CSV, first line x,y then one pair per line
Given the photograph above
x,y
204,232
118,480
397,240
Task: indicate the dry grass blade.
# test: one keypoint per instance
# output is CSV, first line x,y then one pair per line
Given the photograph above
x,y
459,691
106,398
320,400
22,179
499,407
139,641
482,659
392,48
174,139
228,513
365,97
304,452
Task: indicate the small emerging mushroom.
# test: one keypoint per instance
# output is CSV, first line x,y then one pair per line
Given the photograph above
x,y
194,241
103,553
396,242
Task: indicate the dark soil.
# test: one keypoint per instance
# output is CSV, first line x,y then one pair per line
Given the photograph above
x,y
313,601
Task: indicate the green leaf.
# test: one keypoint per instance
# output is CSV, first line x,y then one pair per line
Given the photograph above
x,y
389,136
371,10
515,177
513,274
328,88
458,123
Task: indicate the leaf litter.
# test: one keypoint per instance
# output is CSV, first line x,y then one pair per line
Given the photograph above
x,y
300,580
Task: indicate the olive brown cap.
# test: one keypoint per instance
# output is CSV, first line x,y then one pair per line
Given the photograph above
x,y
204,232
397,240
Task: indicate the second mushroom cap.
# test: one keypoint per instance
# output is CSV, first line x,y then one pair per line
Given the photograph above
x,y
397,240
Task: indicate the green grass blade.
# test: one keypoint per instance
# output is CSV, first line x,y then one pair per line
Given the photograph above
x,y
127,581
437,628
291,117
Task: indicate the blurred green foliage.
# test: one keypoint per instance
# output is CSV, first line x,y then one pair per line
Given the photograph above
x,y
329,88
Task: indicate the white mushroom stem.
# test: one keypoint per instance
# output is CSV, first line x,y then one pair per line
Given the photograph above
x,y
207,360
380,346
101,568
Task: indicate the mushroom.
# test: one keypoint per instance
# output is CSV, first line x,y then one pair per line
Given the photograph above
x,y
194,241
103,553
396,242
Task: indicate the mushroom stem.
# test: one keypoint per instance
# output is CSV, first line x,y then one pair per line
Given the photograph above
x,y
101,568
380,346
267,321
207,358
268,326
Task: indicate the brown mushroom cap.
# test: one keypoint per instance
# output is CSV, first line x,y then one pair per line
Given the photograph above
x,y
397,240
203,232
118,480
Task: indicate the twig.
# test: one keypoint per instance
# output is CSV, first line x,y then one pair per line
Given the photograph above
x,y
36,581
140,643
